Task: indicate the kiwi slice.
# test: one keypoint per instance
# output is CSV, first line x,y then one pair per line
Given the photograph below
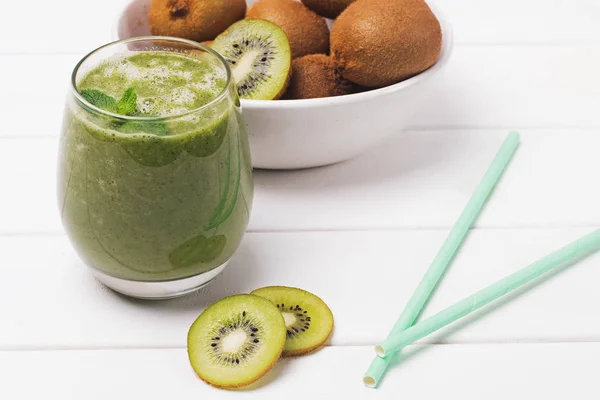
x,y
259,55
308,320
236,340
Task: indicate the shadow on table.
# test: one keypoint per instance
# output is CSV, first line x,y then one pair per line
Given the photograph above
x,y
269,377
402,360
407,152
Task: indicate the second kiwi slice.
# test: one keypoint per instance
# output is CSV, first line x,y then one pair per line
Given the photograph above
x,y
308,320
259,55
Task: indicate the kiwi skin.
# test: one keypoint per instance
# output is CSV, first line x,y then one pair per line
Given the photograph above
x,y
404,39
328,8
302,352
315,76
285,87
245,384
198,20
307,32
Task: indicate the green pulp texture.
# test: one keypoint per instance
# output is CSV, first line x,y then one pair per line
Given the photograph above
x,y
166,84
142,206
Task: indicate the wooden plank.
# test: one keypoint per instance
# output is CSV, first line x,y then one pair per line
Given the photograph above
x,y
523,21
418,179
424,179
74,26
65,26
365,277
516,86
34,90
469,372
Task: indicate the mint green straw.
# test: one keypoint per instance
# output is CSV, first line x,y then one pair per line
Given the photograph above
x,y
446,253
572,252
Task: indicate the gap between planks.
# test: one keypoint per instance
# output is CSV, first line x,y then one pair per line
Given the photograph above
x,y
357,345
545,227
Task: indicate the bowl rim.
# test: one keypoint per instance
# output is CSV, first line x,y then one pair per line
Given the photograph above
x,y
445,52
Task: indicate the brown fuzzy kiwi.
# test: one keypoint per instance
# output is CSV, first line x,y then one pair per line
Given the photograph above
x,y
314,76
207,43
197,20
328,8
285,87
307,32
380,42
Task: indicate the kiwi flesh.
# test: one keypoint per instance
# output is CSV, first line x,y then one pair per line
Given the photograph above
x,y
197,20
236,340
308,320
258,53
315,76
327,8
307,32
380,42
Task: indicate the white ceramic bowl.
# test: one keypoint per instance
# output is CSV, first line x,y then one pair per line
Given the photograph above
x,y
293,134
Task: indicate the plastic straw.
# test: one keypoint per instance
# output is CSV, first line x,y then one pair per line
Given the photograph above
x,y
574,251
446,253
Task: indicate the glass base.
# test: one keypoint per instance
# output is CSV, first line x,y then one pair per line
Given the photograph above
x,y
158,290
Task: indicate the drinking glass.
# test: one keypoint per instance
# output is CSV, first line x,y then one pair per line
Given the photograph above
x,y
155,215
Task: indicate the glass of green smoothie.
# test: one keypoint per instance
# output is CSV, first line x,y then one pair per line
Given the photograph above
x,y
155,178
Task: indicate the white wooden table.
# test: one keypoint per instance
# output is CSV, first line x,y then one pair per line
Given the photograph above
x,y
359,234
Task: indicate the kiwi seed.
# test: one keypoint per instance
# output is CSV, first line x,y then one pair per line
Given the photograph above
x,y
197,20
258,53
236,340
327,8
308,320
380,42
307,32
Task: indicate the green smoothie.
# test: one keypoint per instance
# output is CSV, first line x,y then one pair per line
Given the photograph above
x,y
165,192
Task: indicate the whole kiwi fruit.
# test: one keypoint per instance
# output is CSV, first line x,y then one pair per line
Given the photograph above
x,y
307,32
198,20
328,8
381,42
314,76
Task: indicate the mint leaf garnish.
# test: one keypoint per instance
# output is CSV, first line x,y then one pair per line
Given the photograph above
x,y
128,103
127,106
157,128
99,99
